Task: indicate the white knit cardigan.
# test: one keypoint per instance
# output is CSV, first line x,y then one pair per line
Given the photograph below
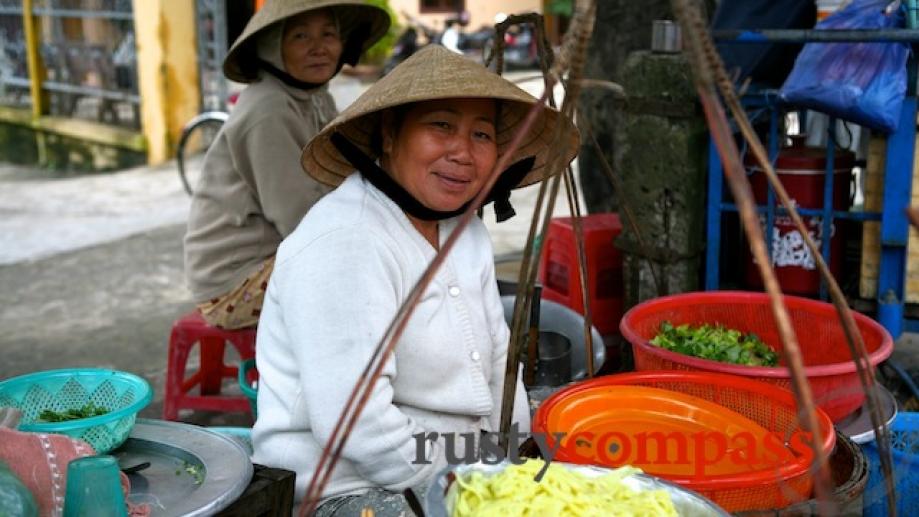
x,y
339,278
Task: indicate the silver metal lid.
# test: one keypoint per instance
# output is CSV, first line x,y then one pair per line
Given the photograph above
x,y
666,37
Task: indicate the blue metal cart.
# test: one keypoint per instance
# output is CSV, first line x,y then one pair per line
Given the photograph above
x,y
898,173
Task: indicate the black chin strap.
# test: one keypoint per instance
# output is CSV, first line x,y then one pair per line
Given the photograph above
x,y
500,193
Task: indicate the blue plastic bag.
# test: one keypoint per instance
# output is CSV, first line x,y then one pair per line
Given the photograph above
x,y
861,82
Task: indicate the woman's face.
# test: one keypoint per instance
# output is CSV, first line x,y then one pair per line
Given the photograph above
x,y
443,151
311,47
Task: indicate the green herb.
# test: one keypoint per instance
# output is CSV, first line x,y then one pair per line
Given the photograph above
x,y
715,342
194,471
89,410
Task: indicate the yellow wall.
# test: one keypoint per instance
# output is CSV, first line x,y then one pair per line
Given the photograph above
x,y
481,12
167,72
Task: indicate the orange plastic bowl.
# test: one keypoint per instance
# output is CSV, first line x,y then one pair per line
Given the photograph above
x,y
828,362
725,405
665,433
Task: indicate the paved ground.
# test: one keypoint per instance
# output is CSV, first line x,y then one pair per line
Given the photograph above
x,y
91,270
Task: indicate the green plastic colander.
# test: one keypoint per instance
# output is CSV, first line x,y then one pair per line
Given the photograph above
x,y
122,394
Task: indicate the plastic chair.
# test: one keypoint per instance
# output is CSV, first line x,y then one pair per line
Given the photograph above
x,y
558,268
187,331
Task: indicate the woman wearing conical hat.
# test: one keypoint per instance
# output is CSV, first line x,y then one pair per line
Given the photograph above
x,y
252,192
406,159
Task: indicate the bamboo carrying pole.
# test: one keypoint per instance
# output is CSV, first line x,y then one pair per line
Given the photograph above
x,y
571,61
525,299
361,392
853,336
719,127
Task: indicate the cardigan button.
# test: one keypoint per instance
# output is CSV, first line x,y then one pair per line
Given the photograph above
x,y
475,355
454,291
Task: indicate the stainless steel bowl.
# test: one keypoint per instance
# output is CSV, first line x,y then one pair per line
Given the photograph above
x,y
687,502
560,320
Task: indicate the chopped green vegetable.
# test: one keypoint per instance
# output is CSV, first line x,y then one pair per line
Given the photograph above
x,y
89,410
717,343
193,471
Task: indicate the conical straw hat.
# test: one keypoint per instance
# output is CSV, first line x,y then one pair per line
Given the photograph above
x,y
372,22
437,73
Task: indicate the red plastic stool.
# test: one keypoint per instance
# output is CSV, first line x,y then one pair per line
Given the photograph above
x,y
558,268
187,331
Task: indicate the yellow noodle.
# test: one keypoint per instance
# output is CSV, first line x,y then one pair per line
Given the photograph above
x,y
513,492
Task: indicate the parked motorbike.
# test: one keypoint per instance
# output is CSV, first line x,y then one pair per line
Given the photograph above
x,y
519,46
405,46
520,49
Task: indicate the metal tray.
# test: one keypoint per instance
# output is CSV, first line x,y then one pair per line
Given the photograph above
x,y
857,426
687,502
193,471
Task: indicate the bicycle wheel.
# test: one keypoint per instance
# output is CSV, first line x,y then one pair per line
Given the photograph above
x,y
197,137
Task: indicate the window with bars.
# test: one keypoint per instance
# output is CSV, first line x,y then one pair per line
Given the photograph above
x,y
14,74
212,49
88,53
442,6
90,62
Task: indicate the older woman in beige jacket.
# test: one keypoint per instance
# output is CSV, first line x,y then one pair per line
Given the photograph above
x,y
252,192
